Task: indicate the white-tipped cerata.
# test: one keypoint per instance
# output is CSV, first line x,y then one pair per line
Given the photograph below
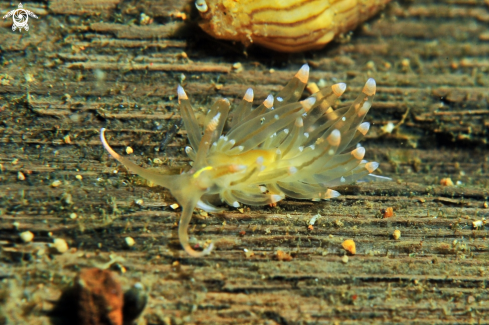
x,y
260,160
358,153
213,123
207,207
201,5
181,93
268,102
275,198
334,138
303,74
363,128
364,109
339,89
307,103
371,166
292,170
249,95
369,88
237,168
329,194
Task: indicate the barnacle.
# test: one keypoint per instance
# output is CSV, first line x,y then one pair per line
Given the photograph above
x,y
287,26
284,147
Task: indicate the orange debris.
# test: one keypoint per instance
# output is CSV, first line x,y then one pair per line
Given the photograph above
x,y
446,182
349,245
387,213
283,256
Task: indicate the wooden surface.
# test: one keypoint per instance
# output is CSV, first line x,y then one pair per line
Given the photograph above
x,y
89,64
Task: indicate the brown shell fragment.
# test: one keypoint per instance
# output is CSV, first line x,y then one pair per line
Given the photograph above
x,y
284,25
100,297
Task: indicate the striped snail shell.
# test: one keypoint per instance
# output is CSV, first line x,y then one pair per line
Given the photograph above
x,y
284,25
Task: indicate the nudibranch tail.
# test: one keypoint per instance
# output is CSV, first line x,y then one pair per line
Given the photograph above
x,y
162,180
182,187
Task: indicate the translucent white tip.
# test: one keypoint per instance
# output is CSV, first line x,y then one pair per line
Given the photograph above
x,y
268,102
369,88
238,168
363,128
358,153
292,170
303,74
364,109
260,160
213,123
106,145
331,194
307,103
334,138
371,166
275,198
249,95
207,207
201,5
181,93
339,89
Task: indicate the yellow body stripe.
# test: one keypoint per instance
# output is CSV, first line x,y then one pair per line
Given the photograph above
x,y
197,173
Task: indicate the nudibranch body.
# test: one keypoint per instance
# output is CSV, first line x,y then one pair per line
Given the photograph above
x,y
284,147
284,25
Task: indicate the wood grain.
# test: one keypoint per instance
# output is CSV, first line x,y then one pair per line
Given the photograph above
x,y
80,68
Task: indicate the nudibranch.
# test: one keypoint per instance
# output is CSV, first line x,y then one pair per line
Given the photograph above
x,y
284,25
284,147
